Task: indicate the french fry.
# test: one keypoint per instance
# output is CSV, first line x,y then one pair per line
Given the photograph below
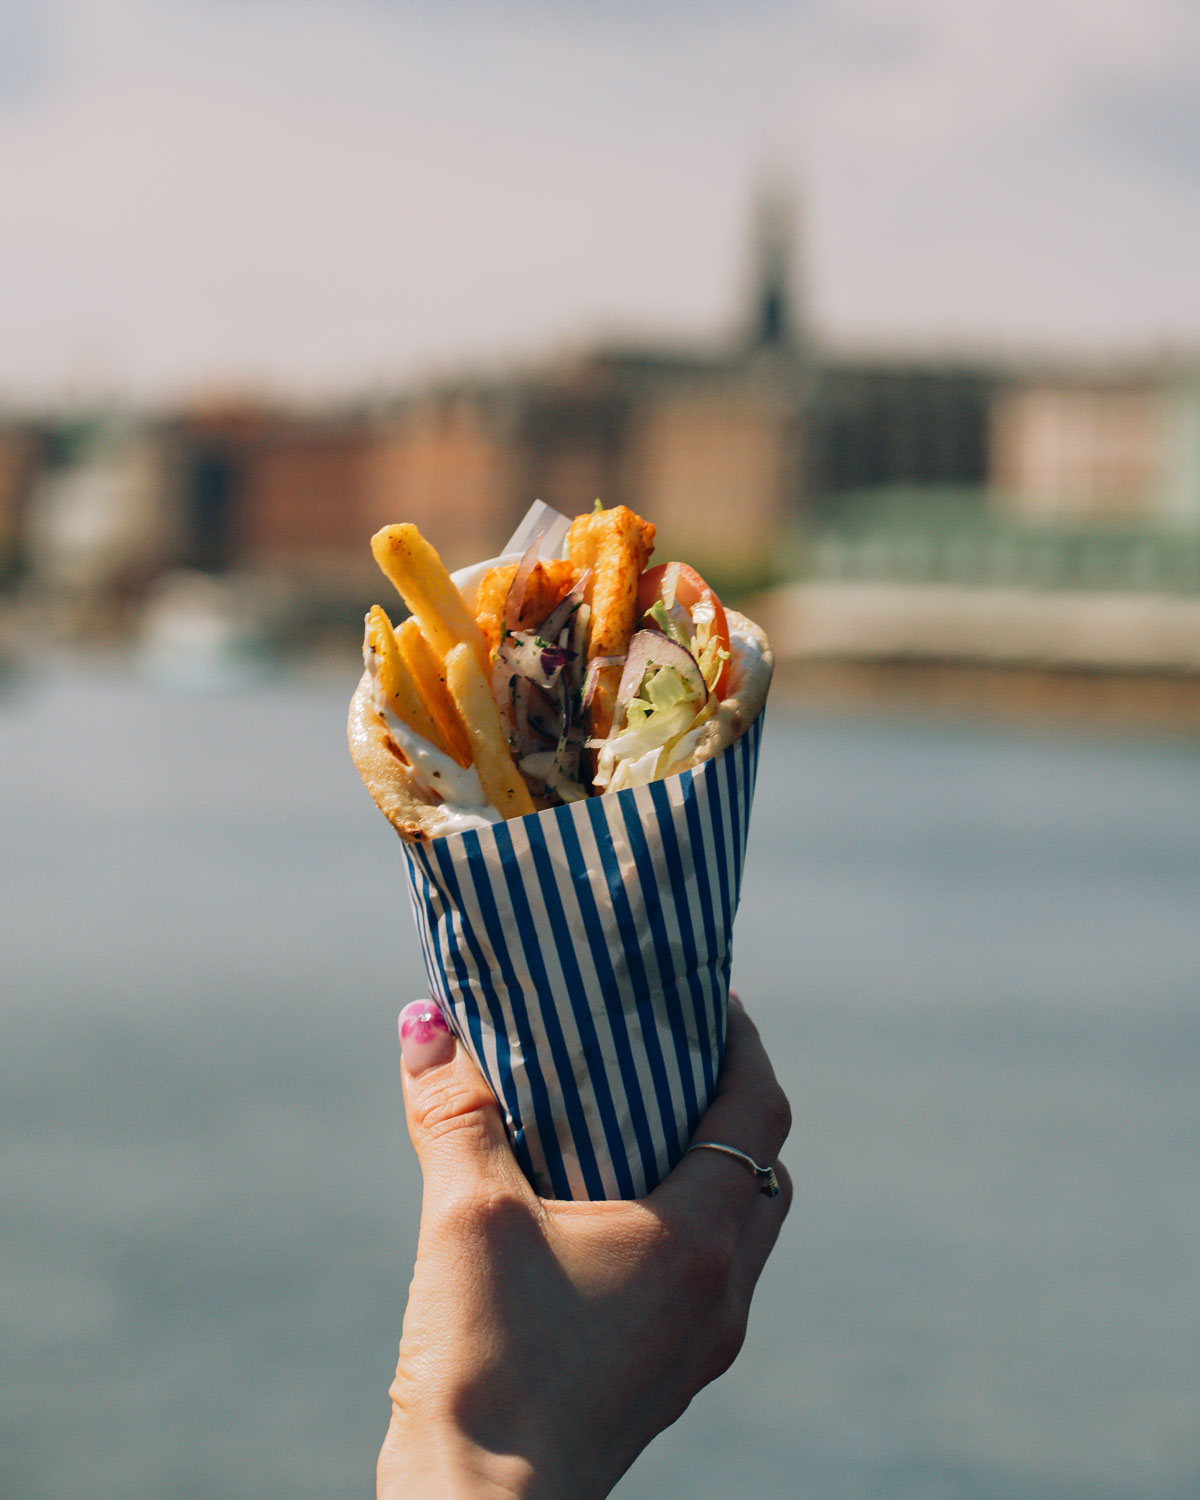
x,y
498,775
400,690
421,580
429,674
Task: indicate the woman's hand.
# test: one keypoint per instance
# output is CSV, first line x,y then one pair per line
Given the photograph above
x,y
546,1343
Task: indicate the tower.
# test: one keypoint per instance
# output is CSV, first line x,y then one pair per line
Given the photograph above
x,y
775,319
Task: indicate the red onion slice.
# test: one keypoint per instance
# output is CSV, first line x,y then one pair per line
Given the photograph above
x,y
564,775
558,770
528,655
579,630
515,597
560,616
650,648
595,667
535,719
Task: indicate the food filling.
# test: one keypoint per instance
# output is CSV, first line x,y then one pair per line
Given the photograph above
x,y
573,675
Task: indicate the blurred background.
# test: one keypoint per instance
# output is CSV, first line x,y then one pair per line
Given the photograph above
x,y
887,315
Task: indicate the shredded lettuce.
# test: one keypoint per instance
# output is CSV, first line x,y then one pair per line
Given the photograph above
x,y
711,657
692,631
661,616
664,709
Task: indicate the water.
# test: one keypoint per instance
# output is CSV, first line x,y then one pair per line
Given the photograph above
x,y
976,961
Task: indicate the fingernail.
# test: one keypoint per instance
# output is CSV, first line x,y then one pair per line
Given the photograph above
x,y
425,1039
736,999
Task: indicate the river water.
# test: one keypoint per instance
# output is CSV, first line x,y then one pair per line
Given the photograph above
x,y
975,957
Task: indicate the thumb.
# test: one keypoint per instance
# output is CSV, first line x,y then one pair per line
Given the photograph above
x,y
453,1119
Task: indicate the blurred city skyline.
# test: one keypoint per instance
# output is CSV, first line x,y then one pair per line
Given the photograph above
x,y
314,199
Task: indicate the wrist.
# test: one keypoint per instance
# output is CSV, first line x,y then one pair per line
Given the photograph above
x,y
436,1460
429,1460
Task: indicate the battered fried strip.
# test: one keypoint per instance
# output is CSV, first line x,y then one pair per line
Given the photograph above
x,y
499,777
421,579
429,674
615,546
550,579
403,695
489,602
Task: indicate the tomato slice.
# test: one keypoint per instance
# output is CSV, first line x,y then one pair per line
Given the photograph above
x,y
690,589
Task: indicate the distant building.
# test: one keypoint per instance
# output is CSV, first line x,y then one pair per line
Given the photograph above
x,y
258,487
23,448
726,447
100,527
886,421
301,494
1098,444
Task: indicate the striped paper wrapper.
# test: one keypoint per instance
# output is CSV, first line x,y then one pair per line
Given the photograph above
x,y
582,955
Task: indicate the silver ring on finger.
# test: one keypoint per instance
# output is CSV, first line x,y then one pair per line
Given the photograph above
x,y
767,1180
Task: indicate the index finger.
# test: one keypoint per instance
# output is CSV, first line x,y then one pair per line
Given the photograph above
x,y
749,1112
453,1118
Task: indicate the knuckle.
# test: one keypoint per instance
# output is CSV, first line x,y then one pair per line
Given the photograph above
x,y
445,1109
658,1242
786,1188
491,1214
470,1128
777,1115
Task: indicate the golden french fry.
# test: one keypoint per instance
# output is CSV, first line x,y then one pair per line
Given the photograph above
x,y
401,692
429,674
498,775
420,577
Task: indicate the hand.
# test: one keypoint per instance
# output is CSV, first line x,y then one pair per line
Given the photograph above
x,y
545,1343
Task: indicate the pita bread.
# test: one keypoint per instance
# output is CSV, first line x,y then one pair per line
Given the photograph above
x,y
418,815
750,671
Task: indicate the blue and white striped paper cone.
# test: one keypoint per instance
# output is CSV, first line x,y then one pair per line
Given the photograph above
x,y
582,955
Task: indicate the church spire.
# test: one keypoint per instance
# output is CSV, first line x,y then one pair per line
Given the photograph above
x,y
775,314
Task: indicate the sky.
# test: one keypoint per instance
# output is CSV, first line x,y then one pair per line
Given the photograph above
x,y
320,196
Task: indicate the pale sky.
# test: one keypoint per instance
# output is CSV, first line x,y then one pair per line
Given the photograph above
x,y
333,194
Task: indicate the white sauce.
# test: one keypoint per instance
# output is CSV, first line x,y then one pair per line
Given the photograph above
x,y
463,804
683,748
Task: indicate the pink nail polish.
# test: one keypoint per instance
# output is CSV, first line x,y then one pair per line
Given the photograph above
x,y
736,999
425,1039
